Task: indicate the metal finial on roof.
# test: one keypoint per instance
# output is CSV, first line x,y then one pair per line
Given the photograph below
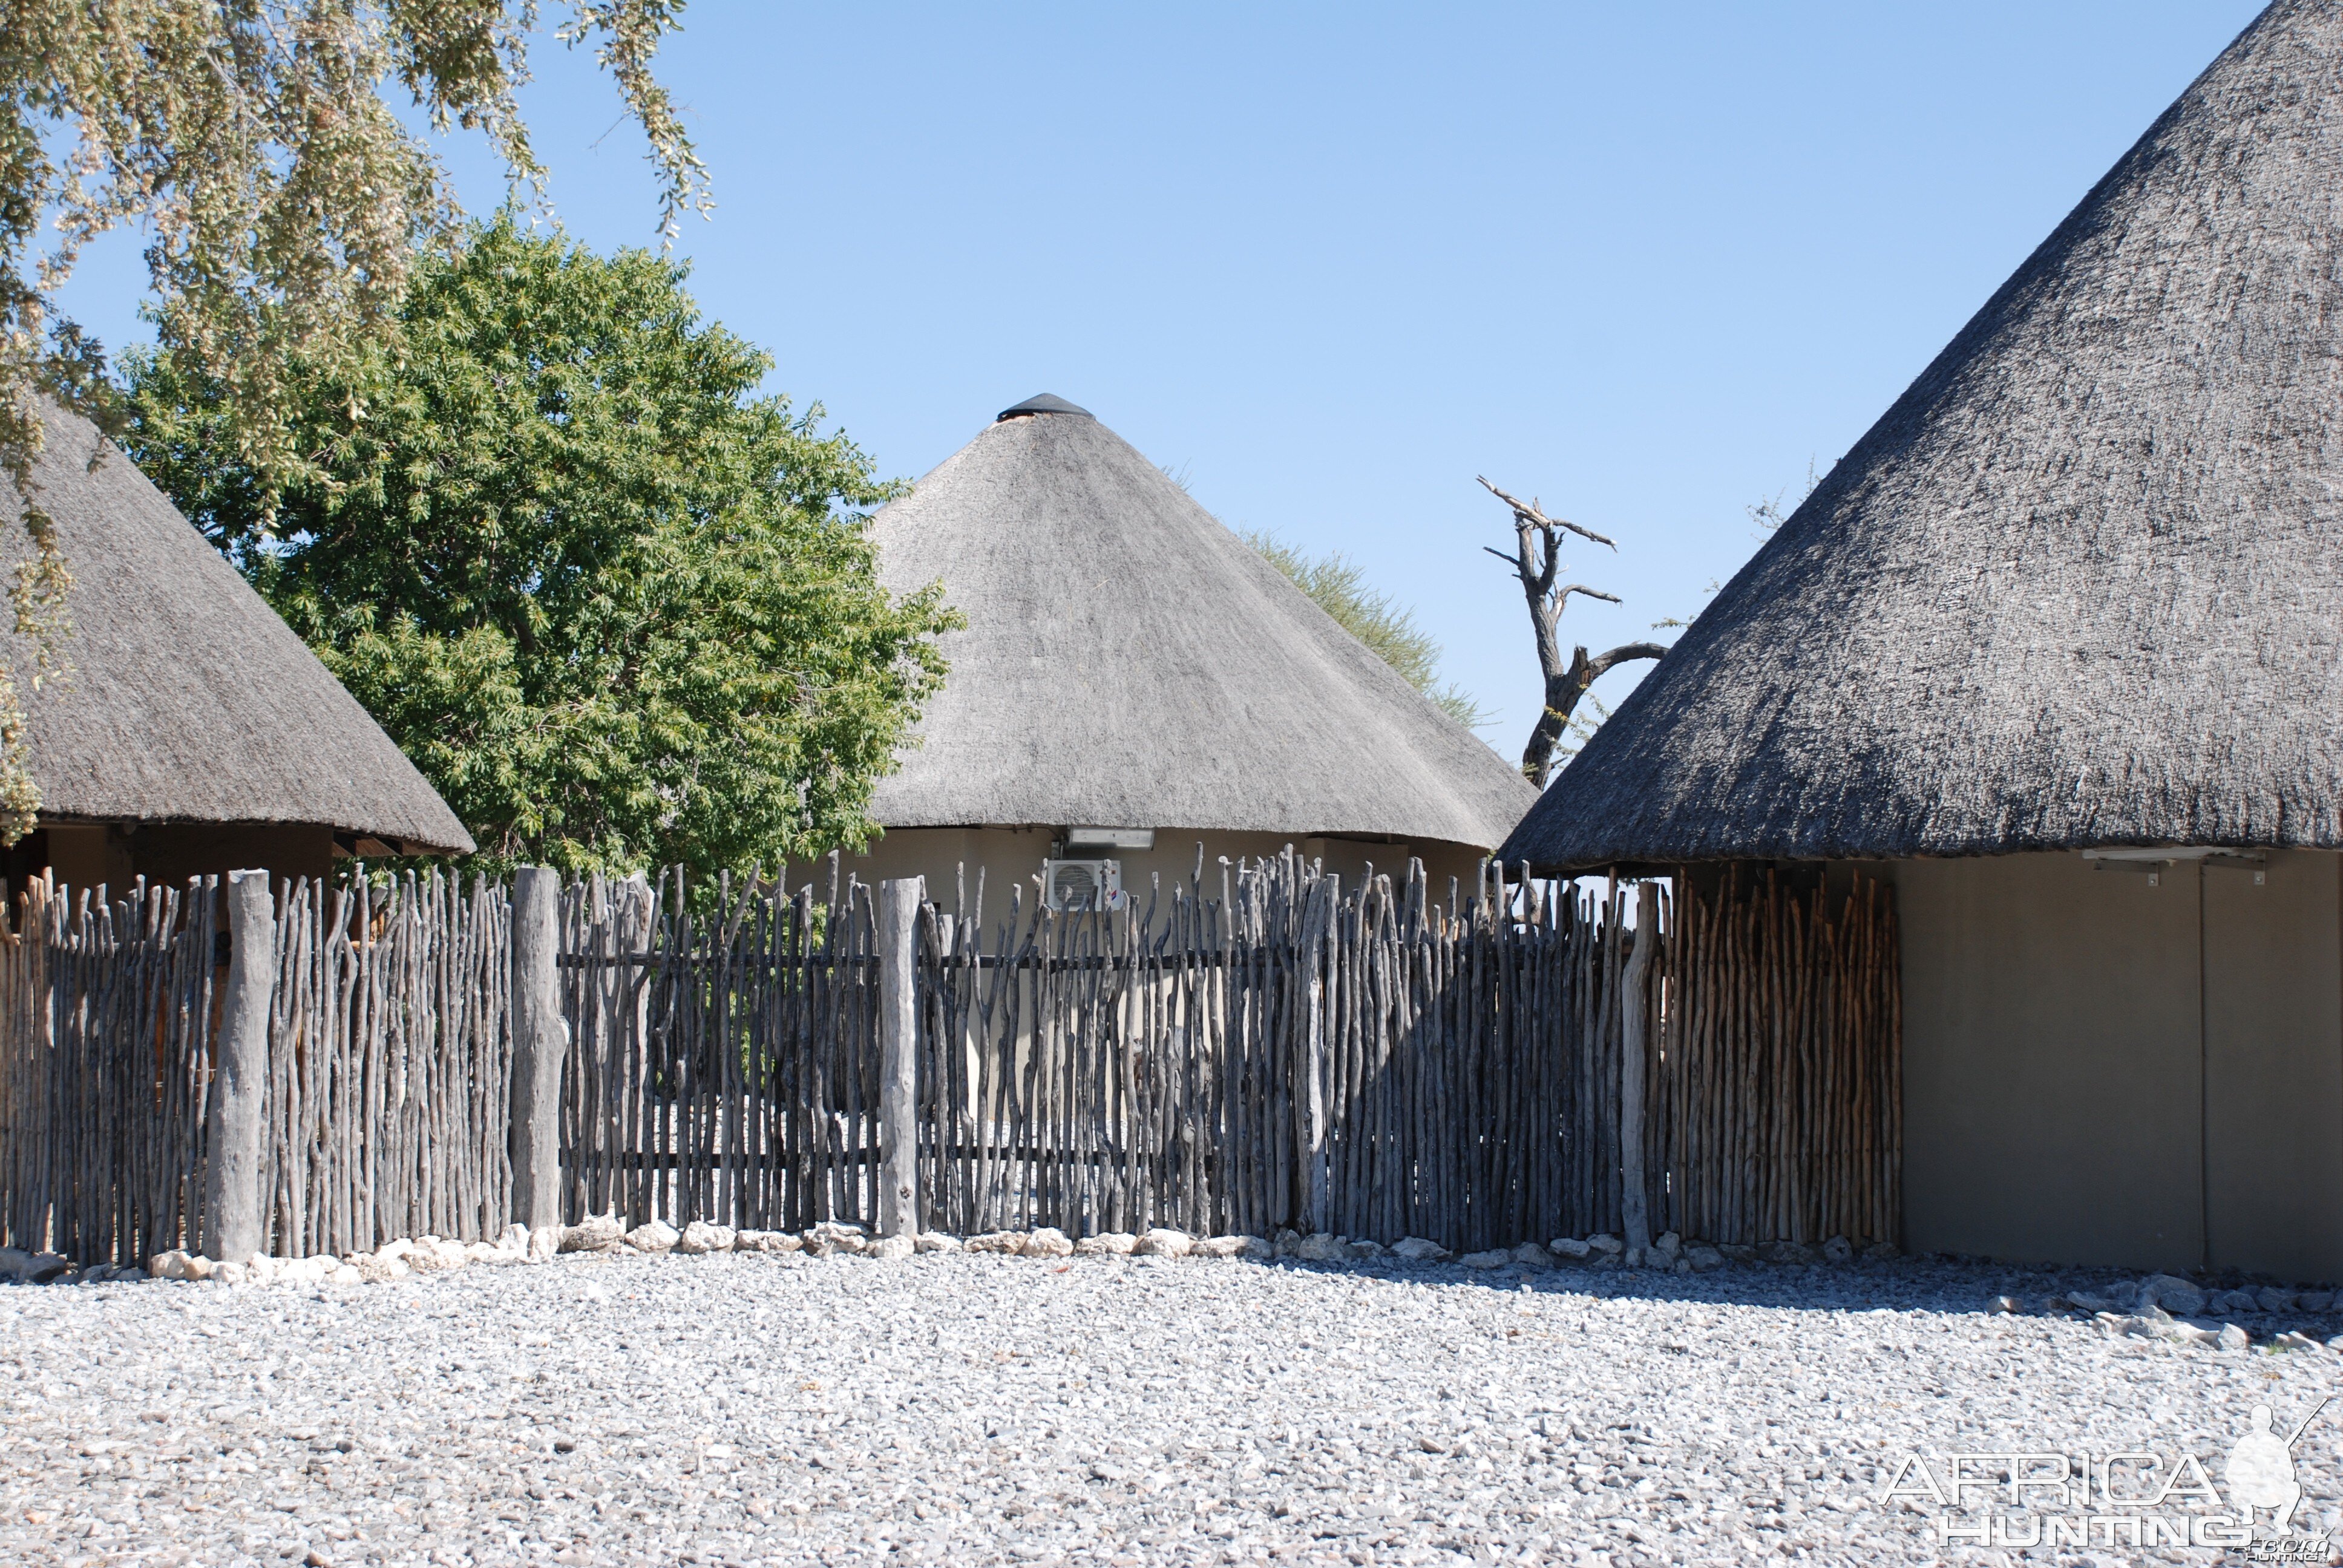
x,y
1043,403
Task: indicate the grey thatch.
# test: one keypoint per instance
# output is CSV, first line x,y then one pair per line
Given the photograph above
x,y
186,698
2083,583
1131,662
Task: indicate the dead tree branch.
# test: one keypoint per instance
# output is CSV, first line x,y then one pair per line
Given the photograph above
x,y
1537,563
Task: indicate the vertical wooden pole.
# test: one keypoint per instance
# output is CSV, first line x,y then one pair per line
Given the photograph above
x,y
1632,1188
540,1041
898,1039
233,1218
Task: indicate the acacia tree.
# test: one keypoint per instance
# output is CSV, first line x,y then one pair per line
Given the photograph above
x,y
619,609
1536,564
257,147
1337,585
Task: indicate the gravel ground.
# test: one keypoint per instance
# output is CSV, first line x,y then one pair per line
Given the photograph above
x,y
967,1409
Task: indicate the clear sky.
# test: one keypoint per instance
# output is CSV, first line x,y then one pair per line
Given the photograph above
x,y
1330,262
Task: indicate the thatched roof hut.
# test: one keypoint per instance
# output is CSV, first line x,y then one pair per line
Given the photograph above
x,y
1128,661
187,703
2078,586
2058,649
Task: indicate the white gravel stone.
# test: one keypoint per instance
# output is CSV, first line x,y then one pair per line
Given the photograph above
x,y
595,1233
891,1247
765,1409
996,1241
1049,1241
1225,1246
1163,1243
1109,1244
766,1241
654,1236
937,1242
701,1237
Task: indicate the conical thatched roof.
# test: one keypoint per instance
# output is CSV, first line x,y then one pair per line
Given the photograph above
x,y
186,698
1130,662
2083,584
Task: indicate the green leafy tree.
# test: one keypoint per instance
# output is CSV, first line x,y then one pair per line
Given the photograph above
x,y
621,609
1338,585
258,147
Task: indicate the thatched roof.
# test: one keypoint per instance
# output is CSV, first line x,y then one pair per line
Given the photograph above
x,y
186,698
2083,583
1130,662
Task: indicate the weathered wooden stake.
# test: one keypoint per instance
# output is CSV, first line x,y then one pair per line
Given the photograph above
x,y
899,1040
234,1227
540,1041
1632,1199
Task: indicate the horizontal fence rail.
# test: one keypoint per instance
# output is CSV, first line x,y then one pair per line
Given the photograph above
x,y
1268,1048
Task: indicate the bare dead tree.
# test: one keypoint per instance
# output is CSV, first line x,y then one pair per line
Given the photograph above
x,y
1536,561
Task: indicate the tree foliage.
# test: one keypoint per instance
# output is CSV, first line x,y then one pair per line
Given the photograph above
x,y
619,609
1338,585
258,147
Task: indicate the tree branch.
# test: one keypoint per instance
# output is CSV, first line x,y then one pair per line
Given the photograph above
x,y
1527,511
1602,664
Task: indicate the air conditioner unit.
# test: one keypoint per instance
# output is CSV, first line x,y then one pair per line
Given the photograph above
x,y
1075,884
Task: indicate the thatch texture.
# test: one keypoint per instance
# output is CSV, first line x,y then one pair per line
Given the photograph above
x,y
186,698
1130,662
2083,583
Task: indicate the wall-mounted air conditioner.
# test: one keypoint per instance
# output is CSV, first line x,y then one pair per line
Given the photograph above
x,y
1076,885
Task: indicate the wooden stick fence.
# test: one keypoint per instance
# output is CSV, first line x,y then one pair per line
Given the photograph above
x,y
1267,1050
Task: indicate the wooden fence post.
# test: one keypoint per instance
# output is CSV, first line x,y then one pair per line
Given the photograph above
x,y
1633,1197
234,1227
898,1056
1318,927
540,1040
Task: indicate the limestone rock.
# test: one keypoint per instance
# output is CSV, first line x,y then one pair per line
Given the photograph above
x,y
653,1236
889,1248
1161,1242
1569,1247
1669,1246
1106,1244
346,1275
936,1241
1530,1255
1363,1251
1049,1241
1220,1247
1882,1251
2230,1303
1419,1249
1257,1248
544,1244
595,1233
377,1267
1839,1250
1495,1258
995,1242
1703,1259
2233,1338
1283,1245
1325,1247
701,1237
1608,1245
2273,1300
1737,1252
227,1273
766,1241
1780,1252
483,1252
170,1265
2174,1294
2315,1302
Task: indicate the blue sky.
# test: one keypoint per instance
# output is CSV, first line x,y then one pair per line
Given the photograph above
x,y
1330,262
